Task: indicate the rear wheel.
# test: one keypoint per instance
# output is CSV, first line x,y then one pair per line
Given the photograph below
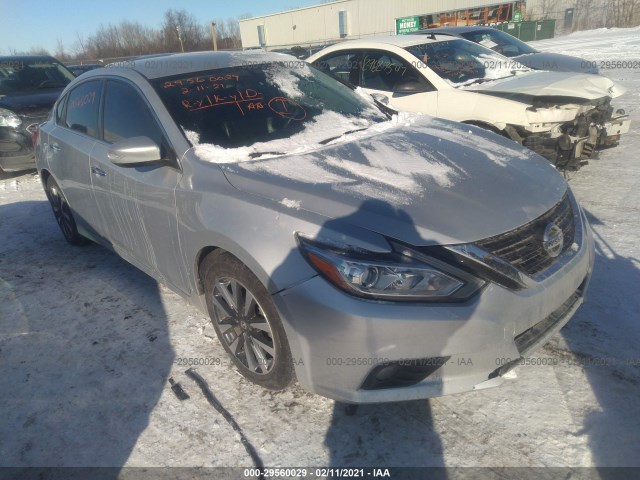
x,y
63,214
247,322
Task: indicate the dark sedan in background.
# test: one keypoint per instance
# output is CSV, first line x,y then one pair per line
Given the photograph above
x,y
512,47
79,69
29,86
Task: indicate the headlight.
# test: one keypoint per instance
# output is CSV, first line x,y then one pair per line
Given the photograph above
x,y
394,276
9,119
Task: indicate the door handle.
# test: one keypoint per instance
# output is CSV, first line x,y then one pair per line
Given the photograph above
x,y
98,171
55,147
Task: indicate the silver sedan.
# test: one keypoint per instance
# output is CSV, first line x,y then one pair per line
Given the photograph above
x,y
370,255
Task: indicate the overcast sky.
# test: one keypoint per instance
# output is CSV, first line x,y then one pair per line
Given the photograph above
x,y
40,23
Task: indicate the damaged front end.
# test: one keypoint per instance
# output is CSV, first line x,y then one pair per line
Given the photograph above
x,y
567,131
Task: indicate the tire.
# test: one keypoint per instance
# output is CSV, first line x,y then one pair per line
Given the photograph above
x,y
63,214
228,285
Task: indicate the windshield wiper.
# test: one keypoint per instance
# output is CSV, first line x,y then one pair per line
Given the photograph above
x,y
260,154
327,140
386,109
478,80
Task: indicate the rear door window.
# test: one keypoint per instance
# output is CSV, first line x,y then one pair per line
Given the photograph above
x,y
343,65
83,106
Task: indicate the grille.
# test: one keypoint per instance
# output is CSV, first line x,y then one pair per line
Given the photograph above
x,y
523,248
525,340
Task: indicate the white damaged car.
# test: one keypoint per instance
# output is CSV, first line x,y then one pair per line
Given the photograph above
x,y
563,116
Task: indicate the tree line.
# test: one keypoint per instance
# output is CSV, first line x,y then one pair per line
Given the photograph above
x,y
590,14
179,31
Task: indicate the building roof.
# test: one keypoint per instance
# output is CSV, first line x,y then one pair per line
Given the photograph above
x,y
292,10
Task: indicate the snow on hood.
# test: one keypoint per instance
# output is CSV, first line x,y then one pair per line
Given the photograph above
x,y
456,184
324,126
556,62
537,83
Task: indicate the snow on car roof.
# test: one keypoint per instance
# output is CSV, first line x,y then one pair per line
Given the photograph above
x,y
175,64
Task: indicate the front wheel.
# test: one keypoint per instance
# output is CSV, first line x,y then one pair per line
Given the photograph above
x,y
63,214
247,322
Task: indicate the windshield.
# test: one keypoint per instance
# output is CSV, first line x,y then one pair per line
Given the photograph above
x,y
242,106
460,62
500,42
22,75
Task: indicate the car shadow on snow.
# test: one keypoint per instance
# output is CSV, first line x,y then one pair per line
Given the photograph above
x,y
377,435
384,435
603,338
84,347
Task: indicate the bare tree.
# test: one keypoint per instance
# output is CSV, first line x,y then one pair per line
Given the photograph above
x,y
233,32
623,13
59,52
193,35
132,38
32,51
585,17
228,34
79,49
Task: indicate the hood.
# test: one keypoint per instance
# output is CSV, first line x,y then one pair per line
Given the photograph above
x,y
434,182
553,84
556,62
32,104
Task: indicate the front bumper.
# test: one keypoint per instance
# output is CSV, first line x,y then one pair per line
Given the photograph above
x,y
337,341
16,150
569,151
612,131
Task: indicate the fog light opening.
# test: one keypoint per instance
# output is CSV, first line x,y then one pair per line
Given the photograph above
x,y
402,373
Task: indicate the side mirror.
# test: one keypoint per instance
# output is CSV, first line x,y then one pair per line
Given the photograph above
x,y
409,86
134,151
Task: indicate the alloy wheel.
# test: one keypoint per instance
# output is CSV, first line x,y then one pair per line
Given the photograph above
x,y
61,211
243,325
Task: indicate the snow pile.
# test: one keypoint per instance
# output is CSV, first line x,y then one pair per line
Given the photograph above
x,y
193,137
287,80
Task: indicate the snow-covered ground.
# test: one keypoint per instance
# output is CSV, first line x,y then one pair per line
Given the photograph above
x,y
88,343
